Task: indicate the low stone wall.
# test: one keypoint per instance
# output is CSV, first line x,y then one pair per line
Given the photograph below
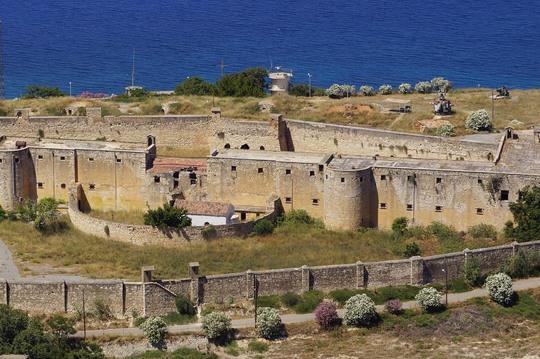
x,y
141,234
157,297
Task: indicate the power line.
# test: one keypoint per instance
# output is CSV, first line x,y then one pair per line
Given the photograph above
x,y
2,88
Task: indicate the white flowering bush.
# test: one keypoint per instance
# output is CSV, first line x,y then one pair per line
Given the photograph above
x,y
441,84
499,287
423,87
385,89
446,130
478,121
366,90
155,329
216,325
340,91
429,299
405,88
348,90
360,311
268,324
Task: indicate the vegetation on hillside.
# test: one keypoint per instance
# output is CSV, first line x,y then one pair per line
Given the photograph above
x,y
35,91
167,217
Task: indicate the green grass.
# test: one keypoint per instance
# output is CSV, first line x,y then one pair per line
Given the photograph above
x,y
379,295
257,346
182,353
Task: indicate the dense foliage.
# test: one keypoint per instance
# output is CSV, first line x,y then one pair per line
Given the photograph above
x,y
299,217
360,311
340,91
166,217
405,88
478,121
155,329
446,130
35,91
411,250
43,214
526,212
263,227
268,324
20,334
472,273
251,82
441,84
216,325
499,287
184,306
385,89
423,87
326,315
366,90
303,90
523,264
195,86
429,299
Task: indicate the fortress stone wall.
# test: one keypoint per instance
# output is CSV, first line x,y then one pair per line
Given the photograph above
x,y
156,297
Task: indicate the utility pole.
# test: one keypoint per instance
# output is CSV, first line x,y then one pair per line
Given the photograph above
x,y
2,89
256,296
70,89
309,75
222,66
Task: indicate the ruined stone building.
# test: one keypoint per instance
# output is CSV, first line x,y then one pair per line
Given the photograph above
x,y
348,176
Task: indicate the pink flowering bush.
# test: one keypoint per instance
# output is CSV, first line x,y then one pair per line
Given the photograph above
x,y
326,315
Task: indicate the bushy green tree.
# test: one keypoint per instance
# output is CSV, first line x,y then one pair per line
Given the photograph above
x,y
366,90
251,82
268,324
423,87
399,227
446,130
299,217
167,216
43,214
216,325
441,84
478,121
184,305
195,86
526,212
36,91
405,88
155,329
303,90
411,250
385,89
263,227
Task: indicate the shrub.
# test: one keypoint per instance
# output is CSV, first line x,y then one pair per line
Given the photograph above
x,y
250,82
102,310
195,86
499,287
411,250
360,311
405,89
184,305
423,87
326,315
385,89
471,272
44,214
303,90
268,324
366,90
216,325
340,91
446,130
263,227
155,329
257,346
290,299
166,217
309,301
299,216
399,226
523,264
3,214
483,231
272,301
429,299
209,232
393,306
35,91
526,212
478,121
441,84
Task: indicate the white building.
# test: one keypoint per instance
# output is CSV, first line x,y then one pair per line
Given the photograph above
x,y
204,213
280,80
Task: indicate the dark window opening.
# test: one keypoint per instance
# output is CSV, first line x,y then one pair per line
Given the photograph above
x,y
16,159
260,170
410,178
193,178
479,211
321,168
175,184
157,179
287,171
288,200
315,201
92,186
227,146
438,180
244,147
382,205
480,181
261,148
243,216
233,168
361,179
312,173
118,160
62,158
40,185
342,179
504,195
40,157
409,207
176,174
150,140
383,177
91,159
438,208
63,186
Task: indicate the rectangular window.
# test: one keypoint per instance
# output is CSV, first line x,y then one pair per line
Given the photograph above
x,y
480,182
311,173
40,157
16,159
504,195
315,201
288,199
175,184
63,186
157,179
193,181
62,158
382,205
40,185
91,159
438,180
409,207
361,179
0,160
342,179
233,168
243,216
438,208
479,211
118,160
92,186
287,171
383,177
321,168
410,178
260,170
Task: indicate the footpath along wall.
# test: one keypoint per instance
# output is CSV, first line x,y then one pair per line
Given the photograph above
x,y
157,297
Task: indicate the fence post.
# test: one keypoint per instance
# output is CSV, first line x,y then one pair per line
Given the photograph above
x,y
360,275
193,269
306,280
417,270
250,284
515,248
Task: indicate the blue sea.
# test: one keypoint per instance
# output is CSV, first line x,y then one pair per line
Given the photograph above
x,y
90,43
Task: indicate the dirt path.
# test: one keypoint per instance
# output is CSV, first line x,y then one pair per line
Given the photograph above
x,y
519,285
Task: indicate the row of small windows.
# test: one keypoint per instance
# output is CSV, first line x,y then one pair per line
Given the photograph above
x,y
245,146
91,159
40,185
314,201
288,171
383,205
